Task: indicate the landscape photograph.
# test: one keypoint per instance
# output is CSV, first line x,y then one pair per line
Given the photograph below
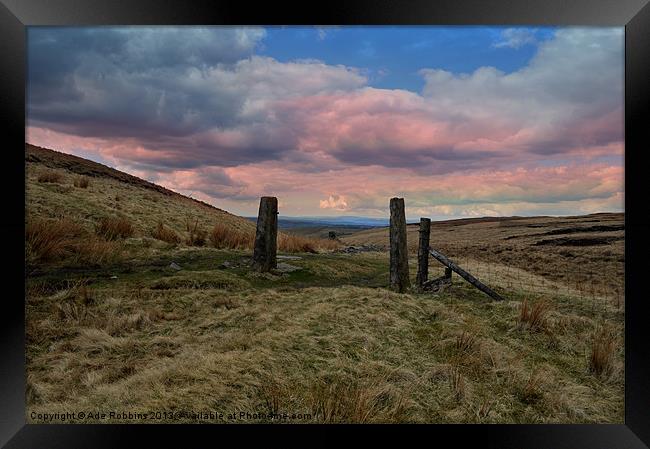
x,y
340,224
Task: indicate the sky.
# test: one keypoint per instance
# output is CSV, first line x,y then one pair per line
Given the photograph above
x,y
459,121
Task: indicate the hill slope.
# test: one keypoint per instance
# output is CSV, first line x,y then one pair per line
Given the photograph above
x,y
112,192
581,252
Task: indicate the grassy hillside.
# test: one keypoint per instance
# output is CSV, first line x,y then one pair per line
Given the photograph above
x,y
328,341
81,212
583,255
112,193
122,317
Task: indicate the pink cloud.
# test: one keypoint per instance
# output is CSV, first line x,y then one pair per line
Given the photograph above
x,y
337,202
366,189
539,138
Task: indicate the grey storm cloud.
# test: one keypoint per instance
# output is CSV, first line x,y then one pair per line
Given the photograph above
x,y
216,183
200,96
135,82
432,159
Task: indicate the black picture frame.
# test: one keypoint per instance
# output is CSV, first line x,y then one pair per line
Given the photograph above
x,y
16,15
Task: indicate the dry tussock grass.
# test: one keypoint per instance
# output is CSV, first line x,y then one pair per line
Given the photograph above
x,y
113,228
531,391
72,311
484,409
603,346
72,304
465,342
94,251
49,240
274,393
223,236
534,316
196,235
296,244
82,182
338,401
226,237
457,383
119,325
467,352
50,176
292,243
161,232
63,239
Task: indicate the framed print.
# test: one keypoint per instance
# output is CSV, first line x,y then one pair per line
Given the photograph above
x,y
366,214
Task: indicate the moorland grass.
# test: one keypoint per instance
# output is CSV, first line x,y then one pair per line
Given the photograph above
x,y
216,340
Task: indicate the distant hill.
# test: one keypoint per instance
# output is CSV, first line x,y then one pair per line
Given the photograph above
x,y
320,227
495,228
365,222
111,193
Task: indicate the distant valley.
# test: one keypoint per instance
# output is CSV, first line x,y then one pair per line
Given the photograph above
x,y
321,226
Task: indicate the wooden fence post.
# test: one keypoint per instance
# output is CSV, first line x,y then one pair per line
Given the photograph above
x,y
399,262
266,235
423,252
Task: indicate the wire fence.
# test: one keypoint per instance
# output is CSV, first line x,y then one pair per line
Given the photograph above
x,y
558,278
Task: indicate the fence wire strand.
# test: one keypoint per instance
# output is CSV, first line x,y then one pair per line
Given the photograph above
x,y
561,278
